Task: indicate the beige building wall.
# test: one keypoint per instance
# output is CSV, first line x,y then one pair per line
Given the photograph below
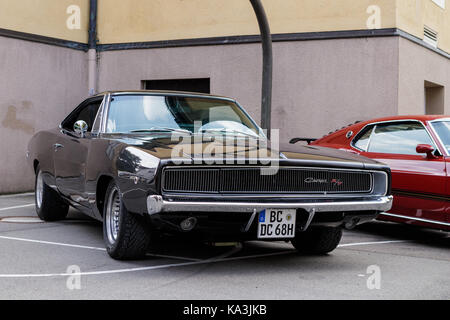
x,y
143,20
123,21
39,85
45,17
417,65
413,15
318,85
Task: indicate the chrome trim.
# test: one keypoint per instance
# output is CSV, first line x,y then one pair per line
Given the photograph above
x,y
311,214
352,143
260,130
112,215
370,137
414,218
156,204
250,221
277,194
437,135
105,114
439,119
171,94
259,196
39,190
99,114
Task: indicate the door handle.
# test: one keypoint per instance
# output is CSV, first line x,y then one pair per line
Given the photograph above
x,y
56,146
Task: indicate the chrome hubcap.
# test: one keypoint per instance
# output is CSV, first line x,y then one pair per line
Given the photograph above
x,y
113,215
39,189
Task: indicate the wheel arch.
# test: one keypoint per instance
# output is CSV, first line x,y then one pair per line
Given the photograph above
x,y
100,193
35,165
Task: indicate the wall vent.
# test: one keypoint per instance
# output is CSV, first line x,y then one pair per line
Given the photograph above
x,y
440,3
430,36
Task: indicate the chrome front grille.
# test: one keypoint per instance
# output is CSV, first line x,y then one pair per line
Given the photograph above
x,y
232,180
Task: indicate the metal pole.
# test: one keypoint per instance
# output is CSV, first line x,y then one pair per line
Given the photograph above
x,y
266,37
92,48
92,24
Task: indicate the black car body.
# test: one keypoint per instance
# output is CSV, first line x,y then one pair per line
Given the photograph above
x,y
130,179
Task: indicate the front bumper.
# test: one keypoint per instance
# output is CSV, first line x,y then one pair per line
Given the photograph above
x,y
156,204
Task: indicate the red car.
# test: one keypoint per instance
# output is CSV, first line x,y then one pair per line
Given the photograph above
x,y
417,148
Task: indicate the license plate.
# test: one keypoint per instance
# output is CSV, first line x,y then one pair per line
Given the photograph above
x,y
276,223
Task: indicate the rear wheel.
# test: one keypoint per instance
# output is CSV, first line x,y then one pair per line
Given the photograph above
x,y
317,240
49,205
125,234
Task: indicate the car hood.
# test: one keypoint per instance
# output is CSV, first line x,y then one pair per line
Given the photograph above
x,y
166,148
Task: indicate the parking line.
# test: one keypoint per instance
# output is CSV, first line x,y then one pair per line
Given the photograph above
x,y
17,207
221,258
17,195
165,266
369,243
53,243
89,247
171,257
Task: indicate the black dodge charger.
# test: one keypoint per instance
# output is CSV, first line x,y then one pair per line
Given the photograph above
x,y
152,163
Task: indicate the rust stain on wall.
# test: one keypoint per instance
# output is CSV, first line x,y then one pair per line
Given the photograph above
x,y
12,122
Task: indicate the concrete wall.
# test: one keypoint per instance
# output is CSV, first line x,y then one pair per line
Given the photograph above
x,y
318,85
39,85
417,65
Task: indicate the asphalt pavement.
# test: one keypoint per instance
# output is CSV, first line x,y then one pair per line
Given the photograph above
x,y
67,260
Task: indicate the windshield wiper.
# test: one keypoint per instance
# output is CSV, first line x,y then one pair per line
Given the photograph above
x,y
162,129
225,130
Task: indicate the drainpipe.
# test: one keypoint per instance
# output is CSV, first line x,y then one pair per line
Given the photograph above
x,y
266,37
92,48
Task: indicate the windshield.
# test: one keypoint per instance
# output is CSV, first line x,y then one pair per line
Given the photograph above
x,y
442,128
149,113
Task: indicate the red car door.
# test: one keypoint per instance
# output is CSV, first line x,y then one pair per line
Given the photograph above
x,y
418,181
447,202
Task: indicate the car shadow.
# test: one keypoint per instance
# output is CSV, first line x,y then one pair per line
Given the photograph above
x,y
398,231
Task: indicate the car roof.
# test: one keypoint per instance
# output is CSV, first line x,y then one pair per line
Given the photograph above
x,y
164,92
406,117
361,124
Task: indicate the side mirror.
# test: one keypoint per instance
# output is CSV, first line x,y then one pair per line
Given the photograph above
x,y
426,148
80,127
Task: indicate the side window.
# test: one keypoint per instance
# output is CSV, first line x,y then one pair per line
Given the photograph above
x,y
98,118
399,138
363,141
86,113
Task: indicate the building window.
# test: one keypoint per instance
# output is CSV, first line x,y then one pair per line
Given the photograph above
x,y
440,3
434,98
201,85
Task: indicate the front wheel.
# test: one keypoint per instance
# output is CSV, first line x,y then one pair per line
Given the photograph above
x,y
125,234
317,240
49,205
